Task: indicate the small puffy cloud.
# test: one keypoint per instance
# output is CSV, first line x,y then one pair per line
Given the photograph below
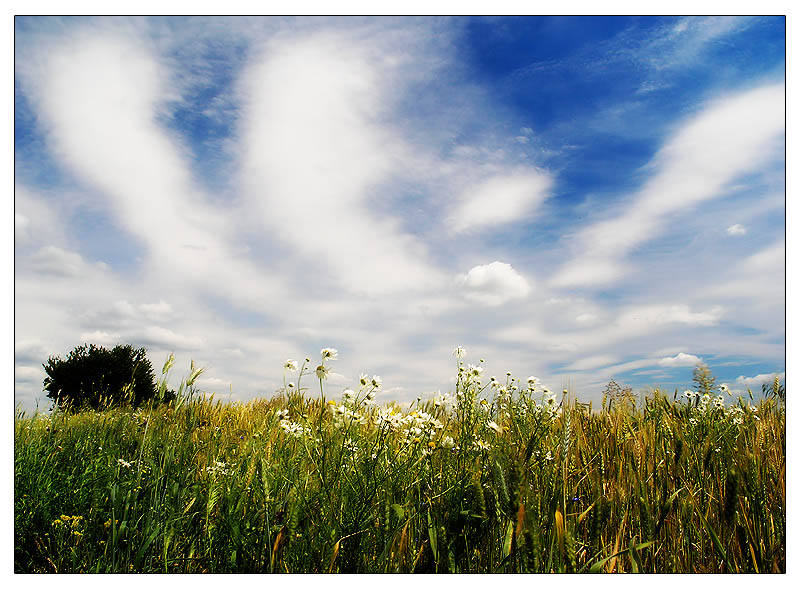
x,y
586,319
736,230
493,284
758,380
680,360
124,313
57,262
156,310
501,199
100,337
124,309
158,336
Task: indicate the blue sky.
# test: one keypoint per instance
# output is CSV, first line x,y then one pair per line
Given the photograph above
x,y
575,198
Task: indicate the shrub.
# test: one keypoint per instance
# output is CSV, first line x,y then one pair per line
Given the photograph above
x,y
92,376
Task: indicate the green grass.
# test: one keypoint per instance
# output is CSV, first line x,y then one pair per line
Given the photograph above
x,y
518,482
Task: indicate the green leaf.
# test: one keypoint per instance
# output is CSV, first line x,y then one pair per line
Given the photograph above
x,y
597,567
432,536
507,541
398,510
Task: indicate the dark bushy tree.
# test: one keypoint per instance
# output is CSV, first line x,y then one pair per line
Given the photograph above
x,y
93,377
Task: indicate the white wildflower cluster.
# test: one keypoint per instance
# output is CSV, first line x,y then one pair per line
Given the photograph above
x,y
549,407
736,414
447,442
293,428
412,427
474,372
143,467
494,426
422,423
442,400
707,405
391,417
480,445
345,416
218,468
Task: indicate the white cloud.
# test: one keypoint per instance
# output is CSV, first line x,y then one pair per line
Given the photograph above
x,y
658,315
758,380
332,228
127,310
493,284
212,382
629,366
21,225
99,95
744,281
770,260
736,230
159,309
54,261
101,338
314,151
501,199
165,338
30,374
591,362
586,319
30,351
729,138
680,360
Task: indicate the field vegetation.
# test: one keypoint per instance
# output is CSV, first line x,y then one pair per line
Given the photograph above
x,y
499,475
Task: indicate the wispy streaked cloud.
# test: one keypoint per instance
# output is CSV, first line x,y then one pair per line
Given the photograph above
x,y
728,139
244,190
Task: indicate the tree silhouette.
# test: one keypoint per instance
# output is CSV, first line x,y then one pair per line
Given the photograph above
x,y
94,377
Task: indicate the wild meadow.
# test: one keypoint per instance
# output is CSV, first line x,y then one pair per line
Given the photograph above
x,y
496,476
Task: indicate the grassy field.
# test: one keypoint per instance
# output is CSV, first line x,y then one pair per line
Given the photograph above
x,y
494,477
